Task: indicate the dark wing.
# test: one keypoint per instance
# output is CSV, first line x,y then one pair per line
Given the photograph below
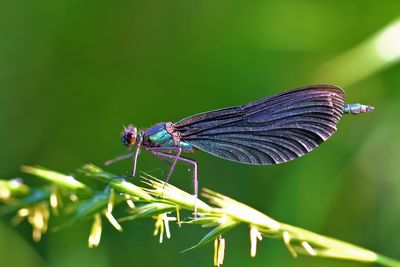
x,y
272,130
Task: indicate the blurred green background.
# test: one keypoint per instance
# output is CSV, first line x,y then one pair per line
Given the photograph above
x,y
73,72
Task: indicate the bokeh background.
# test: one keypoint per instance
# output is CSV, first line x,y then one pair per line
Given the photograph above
x,y
73,72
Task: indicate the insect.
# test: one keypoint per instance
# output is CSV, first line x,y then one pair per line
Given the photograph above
x,y
273,130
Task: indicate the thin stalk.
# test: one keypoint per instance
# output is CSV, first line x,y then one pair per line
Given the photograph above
x,y
158,200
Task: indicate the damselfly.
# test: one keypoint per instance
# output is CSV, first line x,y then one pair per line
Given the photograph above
x,y
273,130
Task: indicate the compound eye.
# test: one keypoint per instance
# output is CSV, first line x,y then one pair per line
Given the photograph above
x,y
128,139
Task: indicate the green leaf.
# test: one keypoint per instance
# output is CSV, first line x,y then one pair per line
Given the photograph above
x,y
57,178
35,196
13,188
214,233
117,183
93,205
148,210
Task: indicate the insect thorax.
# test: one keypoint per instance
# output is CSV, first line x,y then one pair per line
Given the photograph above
x,y
164,135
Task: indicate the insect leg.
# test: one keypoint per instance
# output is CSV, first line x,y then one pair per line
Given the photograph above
x,y
173,165
183,159
135,158
134,161
119,158
175,160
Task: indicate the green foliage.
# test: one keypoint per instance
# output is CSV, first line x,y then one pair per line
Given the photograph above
x,y
73,72
157,200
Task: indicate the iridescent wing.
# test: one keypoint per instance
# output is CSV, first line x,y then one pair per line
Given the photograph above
x,y
272,130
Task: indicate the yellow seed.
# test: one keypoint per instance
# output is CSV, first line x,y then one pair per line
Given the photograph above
x,y
110,204
5,193
37,220
166,226
23,212
178,216
95,233
308,248
73,197
216,252
221,251
130,203
36,234
286,240
53,200
112,220
159,227
254,236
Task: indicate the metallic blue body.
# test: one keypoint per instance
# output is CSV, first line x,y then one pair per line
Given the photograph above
x,y
357,108
158,136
